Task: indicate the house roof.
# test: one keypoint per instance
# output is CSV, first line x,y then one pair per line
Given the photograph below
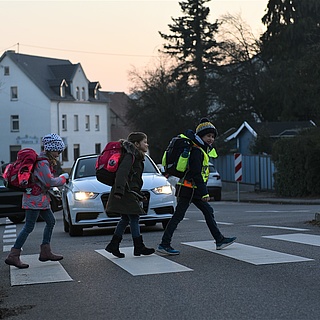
x,y
119,102
47,73
273,129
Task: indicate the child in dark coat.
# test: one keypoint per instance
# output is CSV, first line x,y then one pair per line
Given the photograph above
x,y
192,188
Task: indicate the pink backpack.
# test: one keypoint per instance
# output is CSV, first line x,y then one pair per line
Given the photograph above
x,y
17,175
108,162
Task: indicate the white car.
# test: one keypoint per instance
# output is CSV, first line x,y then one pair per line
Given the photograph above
x,y
214,184
84,198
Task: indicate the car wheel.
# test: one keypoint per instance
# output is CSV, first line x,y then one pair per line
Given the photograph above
x,y
75,231
65,224
17,218
164,223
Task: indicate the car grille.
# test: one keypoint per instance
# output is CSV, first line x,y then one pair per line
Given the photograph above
x,y
164,210
105,197
86,216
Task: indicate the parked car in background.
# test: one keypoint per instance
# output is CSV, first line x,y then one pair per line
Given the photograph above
x,y
214,183
11,201
84,198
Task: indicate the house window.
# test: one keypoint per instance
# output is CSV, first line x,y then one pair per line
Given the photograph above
x,y
77,94
76,122
14,93
64,122
98,148
65,154
97,123
14,123
76,151
87,123
83,94
13,152
6,71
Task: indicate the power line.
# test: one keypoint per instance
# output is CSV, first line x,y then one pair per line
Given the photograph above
x,y
89,52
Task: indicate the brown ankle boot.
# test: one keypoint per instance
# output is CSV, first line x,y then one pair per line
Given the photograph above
x,y
13,259
46,254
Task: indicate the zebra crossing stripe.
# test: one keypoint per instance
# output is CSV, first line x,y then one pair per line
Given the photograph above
x,y
38,272
249,254
143,265
298,238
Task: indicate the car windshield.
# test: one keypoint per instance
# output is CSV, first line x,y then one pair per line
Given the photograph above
x,y
86,167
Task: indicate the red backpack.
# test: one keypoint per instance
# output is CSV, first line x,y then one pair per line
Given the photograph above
x,y
17,175
108,162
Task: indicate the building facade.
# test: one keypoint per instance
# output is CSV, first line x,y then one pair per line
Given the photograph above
x,y
40,95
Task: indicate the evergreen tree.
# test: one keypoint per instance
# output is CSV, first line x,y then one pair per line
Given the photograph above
x,y
291,48
192,43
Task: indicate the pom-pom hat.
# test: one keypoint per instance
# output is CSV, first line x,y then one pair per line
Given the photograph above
x,y
205,127
53,142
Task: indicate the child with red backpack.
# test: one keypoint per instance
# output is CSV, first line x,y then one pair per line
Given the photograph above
x,y
125,196
37,202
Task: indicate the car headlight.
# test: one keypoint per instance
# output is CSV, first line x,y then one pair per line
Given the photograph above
x,y
162,190
80,195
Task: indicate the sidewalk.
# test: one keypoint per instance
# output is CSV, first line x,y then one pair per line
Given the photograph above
x,y
265,197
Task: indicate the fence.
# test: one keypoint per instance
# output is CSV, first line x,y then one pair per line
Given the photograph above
x,y
257,170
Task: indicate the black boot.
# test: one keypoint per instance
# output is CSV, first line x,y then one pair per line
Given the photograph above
x,y
113,246
140,248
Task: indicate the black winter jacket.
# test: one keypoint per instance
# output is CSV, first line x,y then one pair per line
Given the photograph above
x,y
128,178
195,169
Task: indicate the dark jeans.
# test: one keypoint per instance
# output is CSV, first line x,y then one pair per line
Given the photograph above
x,y
31,218
182,207
126,219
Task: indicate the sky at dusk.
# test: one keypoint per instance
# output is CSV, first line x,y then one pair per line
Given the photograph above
x,y
108,38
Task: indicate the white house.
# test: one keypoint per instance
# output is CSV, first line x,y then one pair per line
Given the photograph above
x,y
40,95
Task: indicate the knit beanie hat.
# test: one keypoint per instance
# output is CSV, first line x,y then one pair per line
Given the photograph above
x,y
53,142
205,127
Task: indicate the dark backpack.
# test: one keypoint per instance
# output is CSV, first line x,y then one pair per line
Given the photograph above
x,y
18,175
108,162
175,159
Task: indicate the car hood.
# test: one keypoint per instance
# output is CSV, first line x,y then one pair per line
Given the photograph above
x,y
150,181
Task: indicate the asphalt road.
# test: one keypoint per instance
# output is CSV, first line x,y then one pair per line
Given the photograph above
x,y
216,287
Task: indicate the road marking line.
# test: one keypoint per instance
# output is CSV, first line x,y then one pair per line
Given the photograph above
x,y
276,227
298,238
10,230
277,211
8,240
7,236
6,248
38,272
224,223
10,226
143,265
250,254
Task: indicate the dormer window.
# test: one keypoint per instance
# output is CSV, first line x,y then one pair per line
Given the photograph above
x,y
96,94
62,91
83,94
63,86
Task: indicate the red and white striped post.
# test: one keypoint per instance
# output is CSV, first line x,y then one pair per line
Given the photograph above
x,y
238,171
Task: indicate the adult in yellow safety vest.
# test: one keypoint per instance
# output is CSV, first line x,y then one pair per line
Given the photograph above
x,y
192,188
